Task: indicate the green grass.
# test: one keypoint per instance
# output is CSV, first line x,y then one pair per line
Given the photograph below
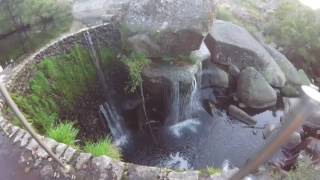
x,y
103,147
136,63
64,133
304,170
58,84
214,171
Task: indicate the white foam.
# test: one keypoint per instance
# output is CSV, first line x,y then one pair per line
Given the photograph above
x,y
190,125
177,161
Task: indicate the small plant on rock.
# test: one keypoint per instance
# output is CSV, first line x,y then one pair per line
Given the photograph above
x,y
64,133
103,147
136,63
214,171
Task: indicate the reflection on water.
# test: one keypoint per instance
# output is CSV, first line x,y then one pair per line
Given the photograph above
x,y
208,141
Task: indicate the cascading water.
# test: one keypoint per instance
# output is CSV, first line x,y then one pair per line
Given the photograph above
x,y
96,61
174,111
115,123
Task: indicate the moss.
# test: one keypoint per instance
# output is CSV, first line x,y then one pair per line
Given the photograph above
x,y
103,147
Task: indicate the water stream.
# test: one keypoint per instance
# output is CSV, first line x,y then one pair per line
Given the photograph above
x,y
115,123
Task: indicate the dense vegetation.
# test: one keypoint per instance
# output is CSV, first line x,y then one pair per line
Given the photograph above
x,y
294,28
28,24
56,87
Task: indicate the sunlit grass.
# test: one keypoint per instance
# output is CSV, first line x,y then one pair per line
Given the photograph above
x,y
103,147
64,133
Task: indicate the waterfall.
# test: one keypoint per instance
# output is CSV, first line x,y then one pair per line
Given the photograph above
x,y
115,123
95,60
174,100
183,100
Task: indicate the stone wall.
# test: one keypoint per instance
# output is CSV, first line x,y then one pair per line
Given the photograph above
x,y
84,165
106,35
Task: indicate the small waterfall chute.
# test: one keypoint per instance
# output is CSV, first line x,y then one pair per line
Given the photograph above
x,y
176,161
115,123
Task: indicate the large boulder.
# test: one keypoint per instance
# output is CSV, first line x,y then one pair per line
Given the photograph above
x,y
214,76
171,28
232,44
286,66
294,82
254,91
173,86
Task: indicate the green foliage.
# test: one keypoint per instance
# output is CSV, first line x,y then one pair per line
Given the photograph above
x,y
103,147
47,19
296,29
224,13
214,171
58,84
136,63
64,133
304,170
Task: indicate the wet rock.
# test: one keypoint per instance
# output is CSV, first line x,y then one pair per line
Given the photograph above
x,y
172,85
304,77
254,91
313,120
187,175
143,172
229,173
202,54
173,28
232,44
292,87
286,66
144,45
290,90
289,103
293,141
313,147
268,130
213,76
240,115
234,70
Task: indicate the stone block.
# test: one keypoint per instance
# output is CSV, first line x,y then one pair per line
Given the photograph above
x,y
187,175
136,172
82,159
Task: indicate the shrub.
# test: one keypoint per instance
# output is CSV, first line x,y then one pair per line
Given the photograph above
x,y
136,63
103,147
64,133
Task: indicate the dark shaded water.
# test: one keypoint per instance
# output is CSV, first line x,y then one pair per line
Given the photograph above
x,y
10,169
196,144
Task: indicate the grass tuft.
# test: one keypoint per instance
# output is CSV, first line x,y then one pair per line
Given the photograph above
x,y
64,133
103,147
